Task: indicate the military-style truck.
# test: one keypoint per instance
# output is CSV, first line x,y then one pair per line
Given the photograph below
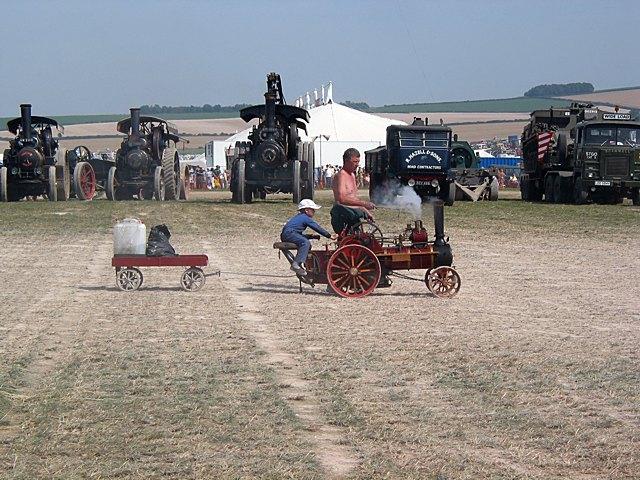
x,y
416,155
580,154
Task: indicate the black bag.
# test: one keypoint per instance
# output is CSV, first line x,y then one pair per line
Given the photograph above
x,y
158,243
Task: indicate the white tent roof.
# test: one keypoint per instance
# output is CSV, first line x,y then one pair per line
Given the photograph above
x,y
337,123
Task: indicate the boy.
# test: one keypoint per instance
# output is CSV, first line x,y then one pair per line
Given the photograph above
x,y
292,232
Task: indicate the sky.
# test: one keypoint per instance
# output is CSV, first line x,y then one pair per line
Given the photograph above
x,y
90,57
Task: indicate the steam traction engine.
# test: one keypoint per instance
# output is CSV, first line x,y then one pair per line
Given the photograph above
x,y
34,164
274,159
147,162
364,259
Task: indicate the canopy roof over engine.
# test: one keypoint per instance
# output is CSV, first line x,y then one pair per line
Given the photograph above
x,y
124,125
37,122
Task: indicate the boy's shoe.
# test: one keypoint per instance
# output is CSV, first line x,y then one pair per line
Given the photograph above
x,y
298,269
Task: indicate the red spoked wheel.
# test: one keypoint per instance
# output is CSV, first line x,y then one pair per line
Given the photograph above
x,y
443,282
84,181
353,271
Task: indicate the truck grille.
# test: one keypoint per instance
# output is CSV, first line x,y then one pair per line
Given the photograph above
x,y
617,166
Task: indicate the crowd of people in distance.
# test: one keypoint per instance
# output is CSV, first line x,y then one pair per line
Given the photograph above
x,y
324,176
211,178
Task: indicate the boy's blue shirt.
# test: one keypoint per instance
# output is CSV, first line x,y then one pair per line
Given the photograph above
x,y
300,222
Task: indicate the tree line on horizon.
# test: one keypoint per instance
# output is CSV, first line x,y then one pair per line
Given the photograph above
x,y
560,89
206,108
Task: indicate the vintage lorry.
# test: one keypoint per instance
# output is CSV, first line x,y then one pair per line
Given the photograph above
x,y
417,155
581,154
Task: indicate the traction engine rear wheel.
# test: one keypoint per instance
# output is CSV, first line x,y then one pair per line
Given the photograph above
x,y
84,181
443,282
353,271
52,185
296,182
4,196
158,184
171,172
110,186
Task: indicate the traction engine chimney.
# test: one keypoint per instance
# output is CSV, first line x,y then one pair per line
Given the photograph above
x,y
135,122
25,116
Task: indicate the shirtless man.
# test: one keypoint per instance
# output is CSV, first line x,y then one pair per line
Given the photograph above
x,y
348,208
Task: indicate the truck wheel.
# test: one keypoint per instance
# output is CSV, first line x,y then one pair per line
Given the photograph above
x,y
525,189
296,182
548,189
52,186
158,184
450,199
110,186
635,196
559,190
493,190
580,197
4,195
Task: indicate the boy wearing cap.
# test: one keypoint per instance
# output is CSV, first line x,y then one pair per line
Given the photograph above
x,y
292,232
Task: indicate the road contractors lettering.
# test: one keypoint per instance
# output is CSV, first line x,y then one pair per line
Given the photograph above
x,y
424,167
423,152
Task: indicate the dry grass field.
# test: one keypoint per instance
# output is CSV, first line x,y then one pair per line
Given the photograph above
x,y
627,98
532,371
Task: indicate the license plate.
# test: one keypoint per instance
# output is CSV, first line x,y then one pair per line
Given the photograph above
x,y
602,183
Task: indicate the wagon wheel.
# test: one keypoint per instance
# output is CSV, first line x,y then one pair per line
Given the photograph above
x,y
84,181
192,279
353,271
443,282
158,184
129,279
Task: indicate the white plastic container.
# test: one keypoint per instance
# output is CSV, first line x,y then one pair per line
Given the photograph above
x,y
129,237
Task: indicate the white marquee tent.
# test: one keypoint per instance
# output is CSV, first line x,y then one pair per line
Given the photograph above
x,y
333,128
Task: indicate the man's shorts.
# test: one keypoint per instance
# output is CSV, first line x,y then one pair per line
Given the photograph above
x,y
343,217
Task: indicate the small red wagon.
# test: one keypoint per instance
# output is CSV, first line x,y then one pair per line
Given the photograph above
x,y
129,277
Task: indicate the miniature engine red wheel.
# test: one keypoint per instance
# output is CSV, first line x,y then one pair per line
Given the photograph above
x,y
353,271
84,181
129,279
192,279
443,282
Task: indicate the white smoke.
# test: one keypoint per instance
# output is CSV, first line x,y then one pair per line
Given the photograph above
x,y
399,197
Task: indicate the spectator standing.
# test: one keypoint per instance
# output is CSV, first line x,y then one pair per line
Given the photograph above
x,y
328,176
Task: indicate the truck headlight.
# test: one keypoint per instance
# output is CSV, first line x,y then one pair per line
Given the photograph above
x,y
14,171
434,183
590,174
411,182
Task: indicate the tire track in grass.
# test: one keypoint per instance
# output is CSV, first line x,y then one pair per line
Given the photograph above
x,y
335,457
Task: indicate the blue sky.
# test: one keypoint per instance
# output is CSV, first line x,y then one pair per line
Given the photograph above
x,y
69,57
